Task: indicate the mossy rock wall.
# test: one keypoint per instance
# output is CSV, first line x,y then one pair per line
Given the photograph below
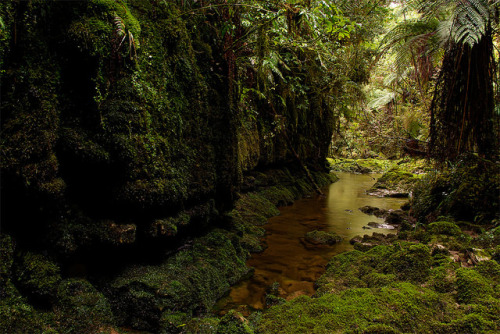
x,y
121,111
123,139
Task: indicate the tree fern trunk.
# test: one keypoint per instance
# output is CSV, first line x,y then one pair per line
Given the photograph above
x,y
462,109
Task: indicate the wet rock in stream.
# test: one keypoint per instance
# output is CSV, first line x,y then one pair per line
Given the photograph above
x,y
378,225
322,237
392,217
371,210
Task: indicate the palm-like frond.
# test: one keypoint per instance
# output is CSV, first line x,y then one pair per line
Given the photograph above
x,y
467,19
470,21
413,42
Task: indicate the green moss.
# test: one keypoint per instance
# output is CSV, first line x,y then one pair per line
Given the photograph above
x,y
380,329
444,227
201,326
489,269
395,182
36,275
233,323
411,263
442,279
169,227
18,316
375,279
323,237
191,280
470,323
173,322
401,307
279,195
80,308
472,286
6,260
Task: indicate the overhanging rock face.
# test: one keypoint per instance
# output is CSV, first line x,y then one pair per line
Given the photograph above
x,y
123,112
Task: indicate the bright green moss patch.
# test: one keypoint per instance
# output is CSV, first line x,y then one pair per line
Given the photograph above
x,y
377,267
444,227
411,263
403,307
472,286
470,323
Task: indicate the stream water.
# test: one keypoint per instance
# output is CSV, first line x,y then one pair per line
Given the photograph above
x,y
293,262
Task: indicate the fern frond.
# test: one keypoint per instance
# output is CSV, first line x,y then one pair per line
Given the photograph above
x,y
120,26
470,21
384,99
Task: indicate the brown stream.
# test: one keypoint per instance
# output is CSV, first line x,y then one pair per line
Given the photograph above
x,y
294,263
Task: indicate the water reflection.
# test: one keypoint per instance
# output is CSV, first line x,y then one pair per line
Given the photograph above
x,y
296,264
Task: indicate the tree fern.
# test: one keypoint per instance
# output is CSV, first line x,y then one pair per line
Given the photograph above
x,y
462,108
470,21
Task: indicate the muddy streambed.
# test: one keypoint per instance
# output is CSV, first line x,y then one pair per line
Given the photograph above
x,y
293,262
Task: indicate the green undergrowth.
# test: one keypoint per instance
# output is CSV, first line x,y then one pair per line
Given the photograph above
x,y
35,299
158,296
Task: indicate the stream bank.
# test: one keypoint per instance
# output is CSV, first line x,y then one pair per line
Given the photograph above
x,y
440,275
159,295
292,261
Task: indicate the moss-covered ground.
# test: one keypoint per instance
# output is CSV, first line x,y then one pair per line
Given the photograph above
x,y
408,286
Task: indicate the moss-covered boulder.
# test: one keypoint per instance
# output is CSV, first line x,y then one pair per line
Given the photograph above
x,y
445,228
149,296
394,183
323,237
36,275
80,308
